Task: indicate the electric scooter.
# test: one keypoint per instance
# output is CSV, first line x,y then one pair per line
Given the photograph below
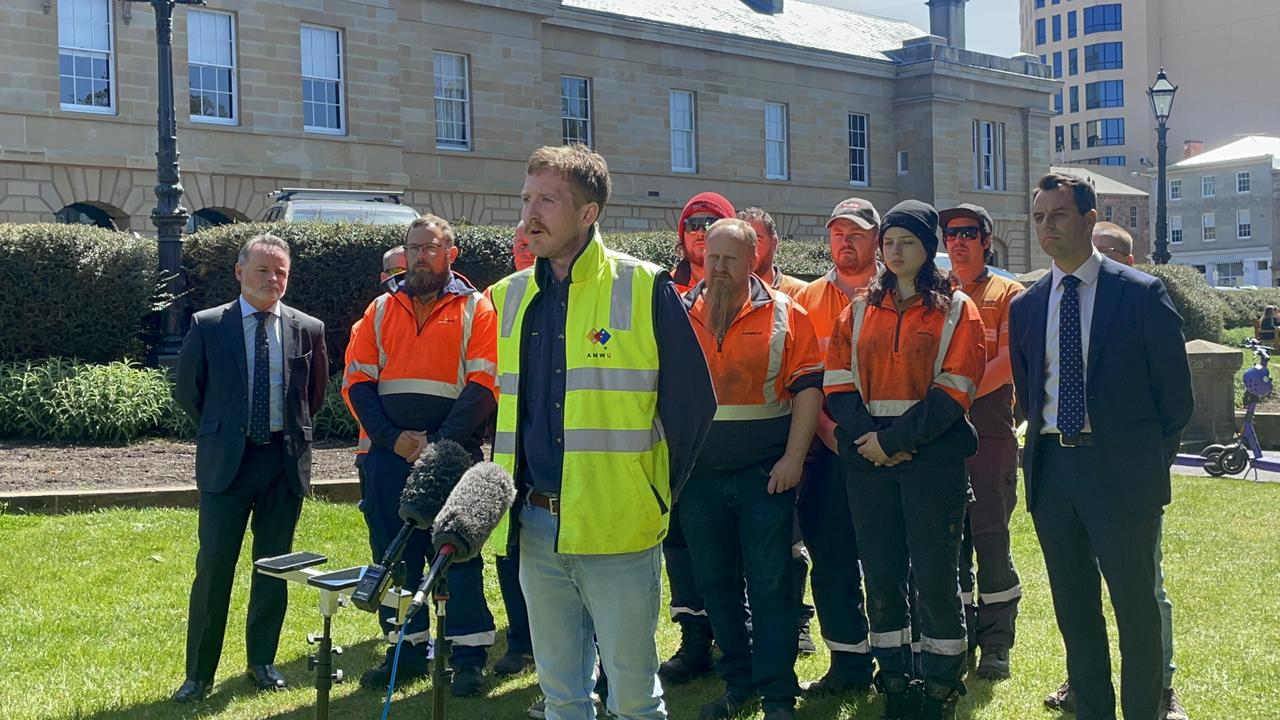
x,y
1244,451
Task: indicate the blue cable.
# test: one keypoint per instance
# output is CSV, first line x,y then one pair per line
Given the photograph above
x,y
395,663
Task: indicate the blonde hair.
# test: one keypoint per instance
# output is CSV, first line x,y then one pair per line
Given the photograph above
x,y
739,227
585,169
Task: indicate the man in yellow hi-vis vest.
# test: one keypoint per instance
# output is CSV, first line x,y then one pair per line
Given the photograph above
x,y
604,400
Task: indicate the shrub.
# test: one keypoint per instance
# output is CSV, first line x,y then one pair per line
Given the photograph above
x,y
1199,304
333,421
74,291
63,401
1244,307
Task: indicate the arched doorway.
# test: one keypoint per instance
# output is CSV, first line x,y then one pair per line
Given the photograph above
x,y
213,217
97,214
998,253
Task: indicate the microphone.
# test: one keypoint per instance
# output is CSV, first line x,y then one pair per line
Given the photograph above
x,y
467,519
436,472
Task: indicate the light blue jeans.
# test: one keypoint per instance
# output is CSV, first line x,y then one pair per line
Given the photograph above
x,y
1166,610
577,601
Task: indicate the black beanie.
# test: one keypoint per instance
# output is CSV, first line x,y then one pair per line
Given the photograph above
x,y
919,218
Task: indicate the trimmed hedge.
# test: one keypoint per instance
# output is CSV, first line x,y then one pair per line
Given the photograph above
x,y
1201,306
1244,307
74,291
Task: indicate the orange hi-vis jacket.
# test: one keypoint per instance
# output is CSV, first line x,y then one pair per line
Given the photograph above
x,y
908,375
362,447
767,355
824,300
993,294
438,378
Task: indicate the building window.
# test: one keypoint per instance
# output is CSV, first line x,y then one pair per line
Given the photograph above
x,y
1057,65
1230,273
86,65
1075,98
1175,230
1039,4
1243,181
322,96
1264,265
775,141
1107,213
1059,138
1071,24
1105,132
988,155
1075,136
211,66
1244,226
1104,94
1057,28
453,100
1133,216
858,174
1040,35
1104,56
1044,59
904,162
1111,160
1208,227
1208,186
1073,61
575,110
1175,189
1102,18
684,154
1057,102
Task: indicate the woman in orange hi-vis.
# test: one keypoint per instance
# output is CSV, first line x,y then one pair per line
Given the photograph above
x,y
905,361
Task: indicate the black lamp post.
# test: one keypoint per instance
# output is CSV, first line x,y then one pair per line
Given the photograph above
x,y
1161,94
169,217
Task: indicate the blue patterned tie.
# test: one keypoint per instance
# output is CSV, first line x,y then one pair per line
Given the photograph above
x,y
1070,361
260,411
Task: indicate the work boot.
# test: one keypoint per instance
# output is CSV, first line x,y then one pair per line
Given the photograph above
x,y
512,663
805,644
412,667
1062,698
1170,707
994,665
939,702
901,696
732,704
468,681
693,658
850,674
538,710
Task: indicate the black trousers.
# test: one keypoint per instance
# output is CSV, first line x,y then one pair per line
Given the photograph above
x,y
260,497
1085,540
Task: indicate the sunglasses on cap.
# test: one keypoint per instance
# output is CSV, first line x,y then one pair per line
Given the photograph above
x,y
698,224
968,233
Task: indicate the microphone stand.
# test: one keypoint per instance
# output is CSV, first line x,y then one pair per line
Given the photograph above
x,y
441,597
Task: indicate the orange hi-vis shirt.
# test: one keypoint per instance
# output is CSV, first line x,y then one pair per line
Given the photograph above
x,y
993,294
768,354
362,447
787,284
824,300
421,372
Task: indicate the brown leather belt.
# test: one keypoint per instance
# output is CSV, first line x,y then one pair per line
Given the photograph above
x,y
550,503
1073,441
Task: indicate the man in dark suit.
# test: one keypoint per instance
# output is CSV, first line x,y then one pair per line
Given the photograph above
x,y
1100,367
251,374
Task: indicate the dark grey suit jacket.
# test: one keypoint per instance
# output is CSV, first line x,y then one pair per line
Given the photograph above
x,y
1137,392
212,386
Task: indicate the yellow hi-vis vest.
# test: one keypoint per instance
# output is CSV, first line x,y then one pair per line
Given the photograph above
x,y
615,491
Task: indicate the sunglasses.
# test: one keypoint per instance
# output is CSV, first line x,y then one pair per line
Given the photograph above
x,y
968,233
698,224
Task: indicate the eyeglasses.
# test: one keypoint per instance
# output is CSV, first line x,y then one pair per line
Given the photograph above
x,y
431,249
968,233
698,224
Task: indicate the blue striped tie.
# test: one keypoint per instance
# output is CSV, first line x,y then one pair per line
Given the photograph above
x,y
1070,361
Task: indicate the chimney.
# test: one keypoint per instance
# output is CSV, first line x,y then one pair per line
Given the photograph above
x,y
771,7
946,19
1192,148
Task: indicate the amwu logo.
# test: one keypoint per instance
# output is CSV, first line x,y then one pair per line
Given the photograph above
x,y
601,339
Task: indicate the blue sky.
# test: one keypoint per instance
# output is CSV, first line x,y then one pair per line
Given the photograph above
x,y
991,26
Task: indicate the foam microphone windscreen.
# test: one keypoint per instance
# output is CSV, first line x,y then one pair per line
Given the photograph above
x,y
432,478
473,510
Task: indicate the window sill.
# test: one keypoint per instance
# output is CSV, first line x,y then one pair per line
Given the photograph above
x,y
90,109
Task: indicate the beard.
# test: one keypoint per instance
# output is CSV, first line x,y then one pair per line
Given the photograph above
x,y
723,303
859,263
425,282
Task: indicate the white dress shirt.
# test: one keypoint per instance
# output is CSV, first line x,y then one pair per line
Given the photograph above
x,y
275,351
1087,290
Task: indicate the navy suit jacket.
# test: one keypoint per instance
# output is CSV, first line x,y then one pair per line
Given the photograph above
x,y
212,386
1137,391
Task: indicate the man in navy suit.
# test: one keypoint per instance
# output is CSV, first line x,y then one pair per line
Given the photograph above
x,y
1100,367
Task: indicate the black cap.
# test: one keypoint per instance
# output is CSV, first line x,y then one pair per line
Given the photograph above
x,y
919,218
861,212
965,210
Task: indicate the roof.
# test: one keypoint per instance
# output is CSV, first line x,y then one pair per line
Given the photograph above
x,y
1102,184
1254,147
800,24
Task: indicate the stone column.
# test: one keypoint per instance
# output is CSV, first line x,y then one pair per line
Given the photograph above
x,y
1213,371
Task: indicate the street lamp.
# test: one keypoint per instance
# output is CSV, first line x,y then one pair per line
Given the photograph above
x,y
168,216
1161,94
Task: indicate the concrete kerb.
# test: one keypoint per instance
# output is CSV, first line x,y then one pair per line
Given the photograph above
x,y
174,496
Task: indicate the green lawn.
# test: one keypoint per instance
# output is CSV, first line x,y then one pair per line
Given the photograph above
x,y
93,608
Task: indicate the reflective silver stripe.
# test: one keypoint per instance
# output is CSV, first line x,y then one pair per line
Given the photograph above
x,y
504,443
466,366
966,598
863,647
511,302
379,312
892,639
944,647
753,412
412,638
365,443
777,348
610,440
416,386
859,315
366,368
799,551
594,378
991,598
480,639
949,329
479,365
831,378
889,408
957,382
620,296
676,612
509,383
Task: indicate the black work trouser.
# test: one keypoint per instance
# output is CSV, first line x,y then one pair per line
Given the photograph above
x,y
993,609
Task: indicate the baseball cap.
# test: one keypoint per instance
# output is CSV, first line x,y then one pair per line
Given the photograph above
x,y
859,211
965,210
